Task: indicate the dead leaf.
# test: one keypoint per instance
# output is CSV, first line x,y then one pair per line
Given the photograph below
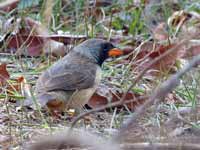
x,y
35,45
194,50
101,3
150,51
26,45
33,39
4,75
97,101
8,5
105,95
159,50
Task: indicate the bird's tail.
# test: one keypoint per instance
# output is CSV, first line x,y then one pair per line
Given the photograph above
x,y
34,101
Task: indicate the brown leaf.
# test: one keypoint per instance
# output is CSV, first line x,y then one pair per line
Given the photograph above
x,y
33,39
105,95
8,5
97,101
192,51
167,63
26,45
4,75
160,49
35,45
101,3
151,50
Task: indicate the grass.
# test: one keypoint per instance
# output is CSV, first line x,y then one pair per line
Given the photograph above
x,y
22,125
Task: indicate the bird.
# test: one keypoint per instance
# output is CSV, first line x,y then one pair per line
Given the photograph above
x,y
71,81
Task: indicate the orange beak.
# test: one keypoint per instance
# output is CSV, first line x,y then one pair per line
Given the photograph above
x,y
115,52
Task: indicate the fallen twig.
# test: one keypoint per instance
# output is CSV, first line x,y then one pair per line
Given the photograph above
x,y
67,138
159,94
160,146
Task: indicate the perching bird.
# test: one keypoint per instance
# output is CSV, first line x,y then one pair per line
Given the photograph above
x,y
71,81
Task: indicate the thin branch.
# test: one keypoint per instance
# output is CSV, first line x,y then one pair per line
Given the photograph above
x,y
68,138
159,93
160,146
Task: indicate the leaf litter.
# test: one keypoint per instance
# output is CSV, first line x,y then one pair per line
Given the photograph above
x,y
20,71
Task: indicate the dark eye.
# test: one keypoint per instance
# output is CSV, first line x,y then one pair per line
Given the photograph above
x,y
107,46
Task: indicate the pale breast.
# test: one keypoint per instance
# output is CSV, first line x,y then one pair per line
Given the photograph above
x,y
80,98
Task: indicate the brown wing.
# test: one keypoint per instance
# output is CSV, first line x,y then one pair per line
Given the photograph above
x,y
68,77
